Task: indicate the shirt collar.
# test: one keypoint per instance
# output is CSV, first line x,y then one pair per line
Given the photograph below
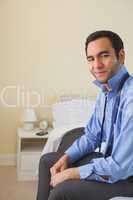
x,y
114,82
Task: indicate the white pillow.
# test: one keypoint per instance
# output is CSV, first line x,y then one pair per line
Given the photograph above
x,y
72,112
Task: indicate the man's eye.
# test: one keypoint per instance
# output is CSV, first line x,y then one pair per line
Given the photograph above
x,y
105,55
90,59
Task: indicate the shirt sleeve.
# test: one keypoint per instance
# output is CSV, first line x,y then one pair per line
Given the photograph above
x,y
120,164
88,141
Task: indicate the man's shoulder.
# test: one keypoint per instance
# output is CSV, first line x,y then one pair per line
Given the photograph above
x,y
129,83
127,90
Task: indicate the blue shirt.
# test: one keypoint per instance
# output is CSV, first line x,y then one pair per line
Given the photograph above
x,y
119,165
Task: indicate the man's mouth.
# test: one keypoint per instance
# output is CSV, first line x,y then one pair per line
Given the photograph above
x,y
100,73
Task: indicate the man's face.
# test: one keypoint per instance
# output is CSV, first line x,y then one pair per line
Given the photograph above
x,y
102,59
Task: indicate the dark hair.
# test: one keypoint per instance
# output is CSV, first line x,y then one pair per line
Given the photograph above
x,y
115,40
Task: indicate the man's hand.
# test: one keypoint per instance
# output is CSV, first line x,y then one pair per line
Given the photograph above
x,y
60,165
71,173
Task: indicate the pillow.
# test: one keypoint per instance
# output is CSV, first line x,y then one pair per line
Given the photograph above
x,y
75,112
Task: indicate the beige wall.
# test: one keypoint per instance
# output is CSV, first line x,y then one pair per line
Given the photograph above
x,y
42,50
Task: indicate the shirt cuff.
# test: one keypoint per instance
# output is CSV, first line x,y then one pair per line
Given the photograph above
x,y
85,171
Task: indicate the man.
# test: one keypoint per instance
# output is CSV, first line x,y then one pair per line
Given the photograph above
x,y
108,174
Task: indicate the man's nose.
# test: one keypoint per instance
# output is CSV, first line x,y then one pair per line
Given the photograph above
x,y
97,63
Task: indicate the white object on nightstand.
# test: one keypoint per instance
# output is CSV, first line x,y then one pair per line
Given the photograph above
x,y
28,118
29,148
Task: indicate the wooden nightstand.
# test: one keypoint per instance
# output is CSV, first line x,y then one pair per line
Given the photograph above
x,y
29,148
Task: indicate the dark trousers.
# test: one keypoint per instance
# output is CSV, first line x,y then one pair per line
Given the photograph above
x,y
77,189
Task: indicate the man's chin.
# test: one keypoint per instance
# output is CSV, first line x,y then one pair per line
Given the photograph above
x,y
102,80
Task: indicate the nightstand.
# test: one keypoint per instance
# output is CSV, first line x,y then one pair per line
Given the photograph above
x,y
29,148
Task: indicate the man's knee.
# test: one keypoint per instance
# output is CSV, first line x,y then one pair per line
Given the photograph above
x,y
48,159
43,160
60,192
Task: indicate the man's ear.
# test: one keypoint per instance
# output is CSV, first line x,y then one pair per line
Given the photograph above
x,y
121,56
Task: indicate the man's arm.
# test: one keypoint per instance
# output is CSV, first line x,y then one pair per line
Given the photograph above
x,y
89,141
120,164
86,143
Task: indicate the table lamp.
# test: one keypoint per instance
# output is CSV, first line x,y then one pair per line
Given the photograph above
x,y
28,118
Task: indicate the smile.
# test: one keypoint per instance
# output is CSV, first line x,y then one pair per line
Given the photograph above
x,y
100,73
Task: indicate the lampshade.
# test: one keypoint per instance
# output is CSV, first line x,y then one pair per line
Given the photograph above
x,y
29,115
